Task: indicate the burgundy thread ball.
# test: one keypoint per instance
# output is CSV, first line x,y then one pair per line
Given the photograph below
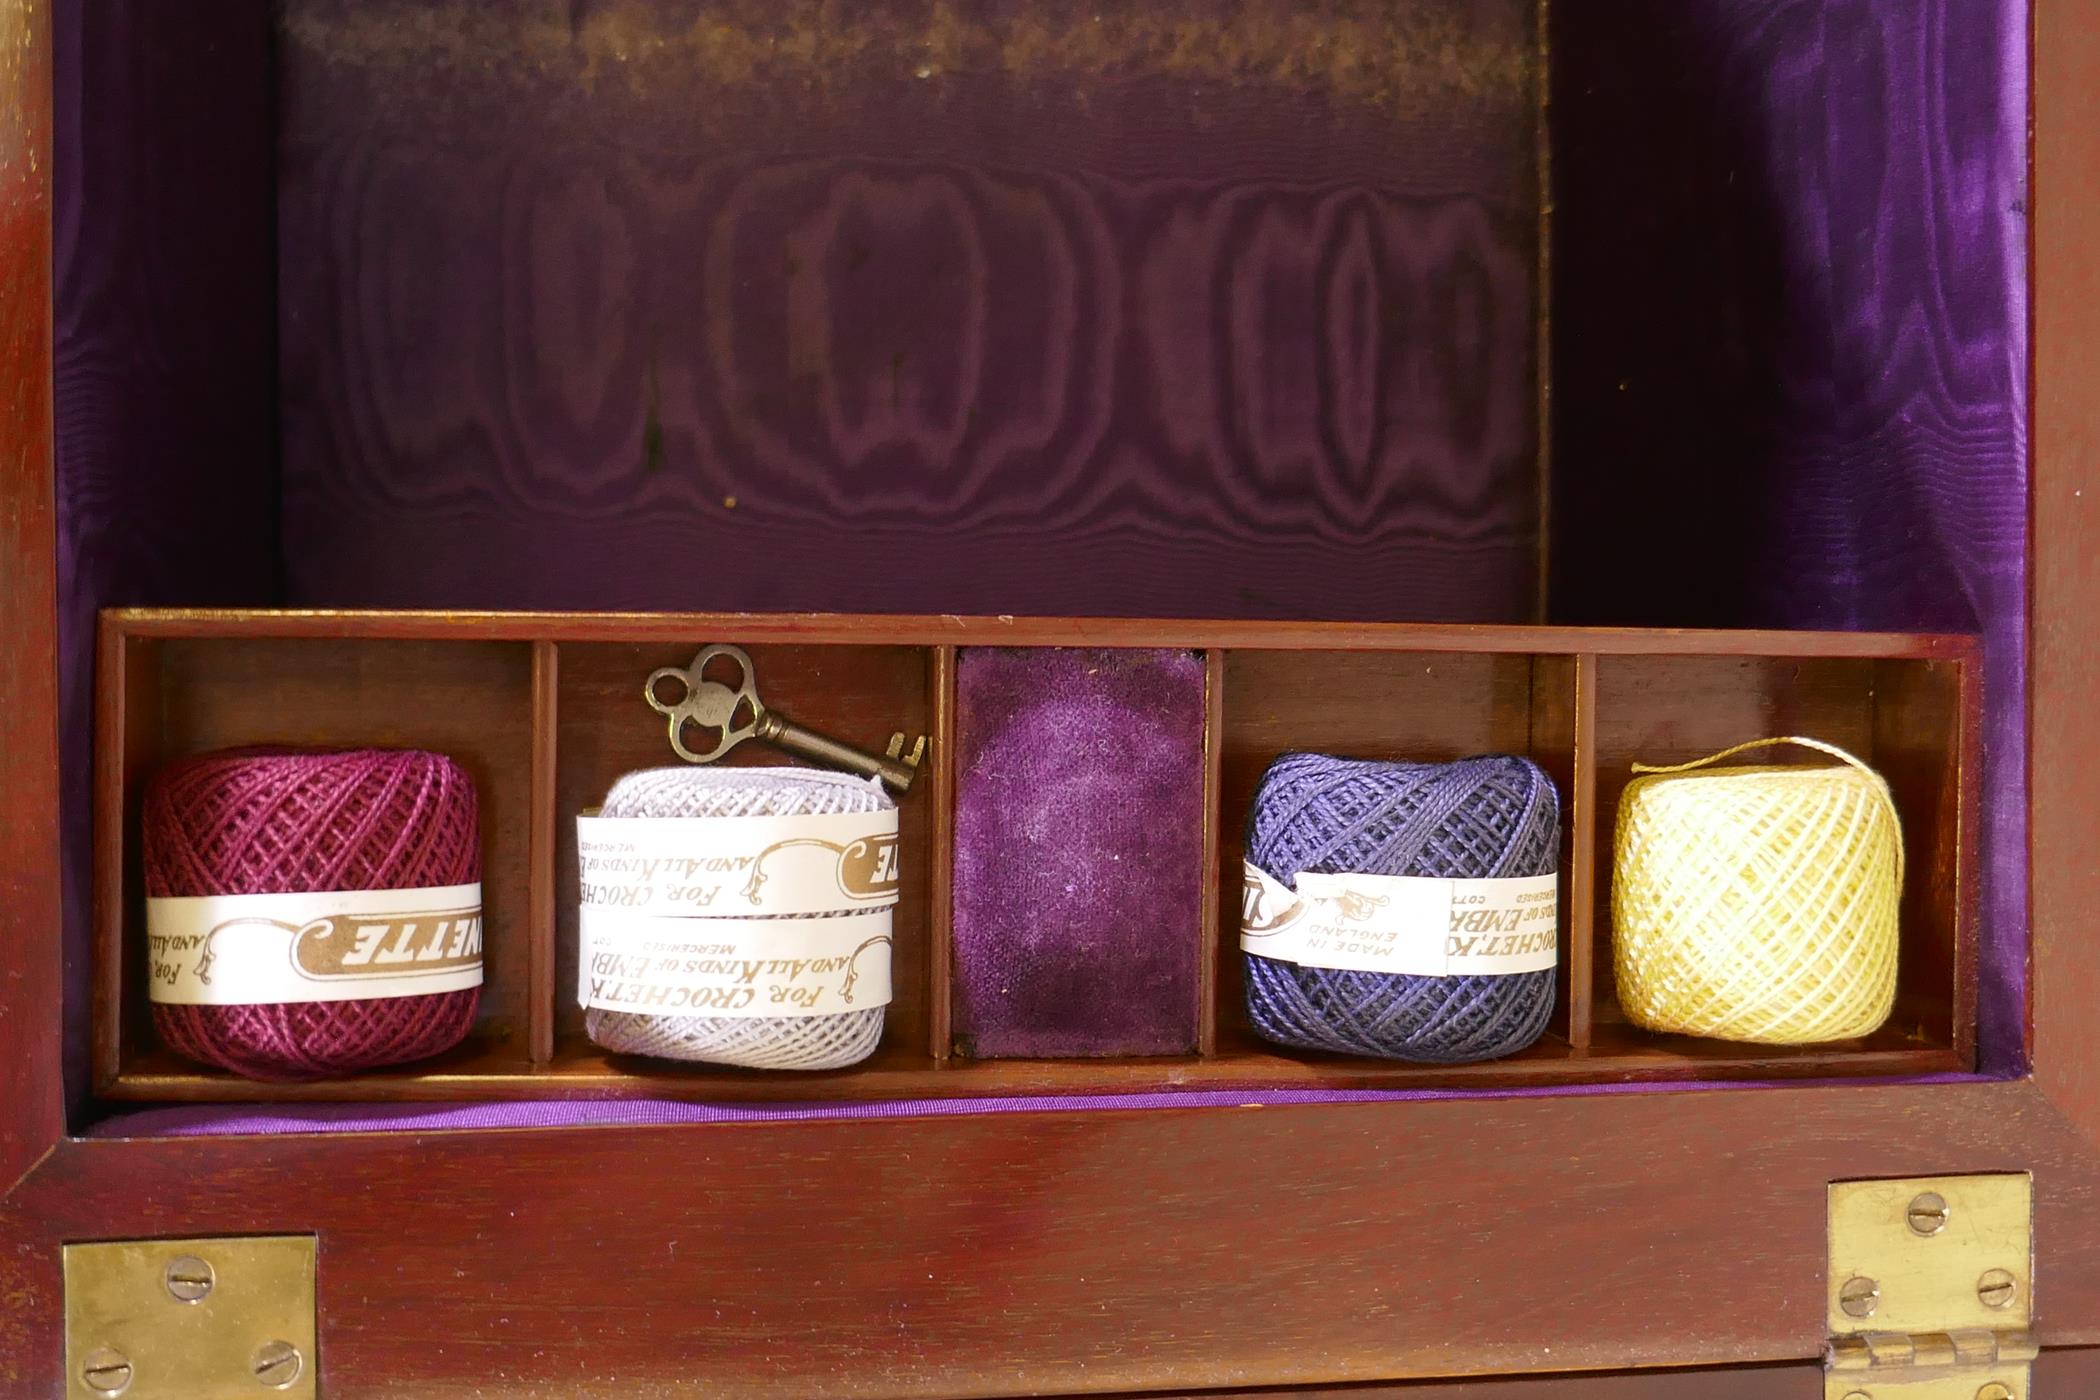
x,y
251,821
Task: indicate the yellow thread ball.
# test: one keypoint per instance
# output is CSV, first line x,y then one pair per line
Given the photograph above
x,y
1757,903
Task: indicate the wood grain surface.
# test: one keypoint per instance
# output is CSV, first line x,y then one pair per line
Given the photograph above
x,y
2068,1371
1798,1382
1179,1252
31,1085
946,629
1086,1252
2066,681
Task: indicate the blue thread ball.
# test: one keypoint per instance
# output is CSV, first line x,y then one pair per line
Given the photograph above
x,y
1492,816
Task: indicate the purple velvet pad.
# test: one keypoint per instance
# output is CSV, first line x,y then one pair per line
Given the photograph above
x,y
1078,852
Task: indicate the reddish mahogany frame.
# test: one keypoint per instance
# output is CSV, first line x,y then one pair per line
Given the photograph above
x,y
544,709
1163,1251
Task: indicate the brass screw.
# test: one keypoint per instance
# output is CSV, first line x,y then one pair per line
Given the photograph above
x,y
277,1364
188,1278
1927,1214
1995,1390
1997,1289
1857,1395
106,1371
1859,1297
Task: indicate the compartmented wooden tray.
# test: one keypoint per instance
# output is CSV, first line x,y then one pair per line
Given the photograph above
x,y
544,710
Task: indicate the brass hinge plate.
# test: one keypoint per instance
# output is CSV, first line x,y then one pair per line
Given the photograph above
x,y
176,1319
1927,1290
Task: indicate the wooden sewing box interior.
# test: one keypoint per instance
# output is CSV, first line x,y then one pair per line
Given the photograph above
x,y
1607,385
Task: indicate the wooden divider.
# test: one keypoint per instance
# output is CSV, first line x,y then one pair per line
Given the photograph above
x,y
540,917
1219,911
940,859
545,709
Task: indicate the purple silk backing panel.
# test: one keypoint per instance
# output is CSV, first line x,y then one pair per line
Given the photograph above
x,y
1790,344
164,349
227,1120
1195,307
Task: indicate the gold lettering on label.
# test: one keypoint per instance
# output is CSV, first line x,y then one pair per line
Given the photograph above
x,y
1267,909
641,968
1359,907
397,945
866,867
400,951
368,937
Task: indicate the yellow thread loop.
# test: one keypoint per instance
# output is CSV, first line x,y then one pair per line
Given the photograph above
x,y
1757,903
1817,744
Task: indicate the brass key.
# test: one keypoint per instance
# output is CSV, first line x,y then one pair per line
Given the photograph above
x,y
711,705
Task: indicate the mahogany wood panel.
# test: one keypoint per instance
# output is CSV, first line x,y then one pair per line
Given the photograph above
x,y
1156,1248
949,629
542,845
940,884
1797,1382
1583,875
2064,1371
1076,1252
481,1072
1216,927
31,1081
2065,685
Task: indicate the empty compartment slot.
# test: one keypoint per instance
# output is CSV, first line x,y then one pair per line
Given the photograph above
x,y
1906,719
468,700
858,695
1080,832
1411,707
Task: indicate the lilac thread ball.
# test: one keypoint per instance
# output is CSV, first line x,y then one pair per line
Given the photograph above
x,y
1496,816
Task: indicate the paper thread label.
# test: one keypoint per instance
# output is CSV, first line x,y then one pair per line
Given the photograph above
x,y
1404,924
722,867
338,945
683,915
668,965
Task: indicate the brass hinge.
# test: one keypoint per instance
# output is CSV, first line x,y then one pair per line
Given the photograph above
x,y
1928,1288
178,1319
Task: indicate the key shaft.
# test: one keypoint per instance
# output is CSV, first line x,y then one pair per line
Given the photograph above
x,y
781,732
